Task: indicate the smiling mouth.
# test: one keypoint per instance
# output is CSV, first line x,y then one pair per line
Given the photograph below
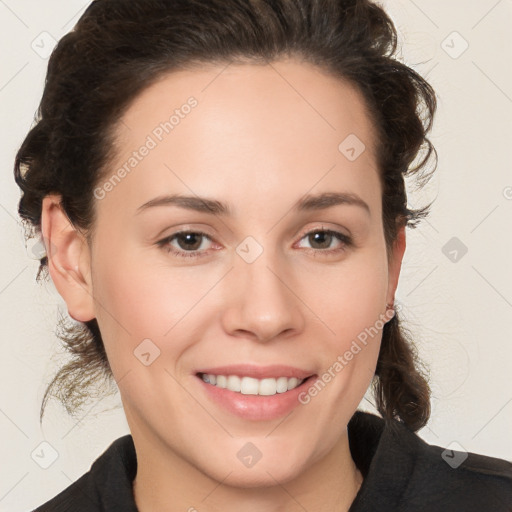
x,y
252,386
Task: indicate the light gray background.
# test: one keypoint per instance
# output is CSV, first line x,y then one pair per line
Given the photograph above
x,y
460,312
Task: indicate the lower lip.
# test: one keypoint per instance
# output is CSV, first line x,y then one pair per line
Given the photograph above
x,y
256,407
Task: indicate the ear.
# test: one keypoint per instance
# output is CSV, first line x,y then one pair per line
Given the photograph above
x,y
395,264
68,259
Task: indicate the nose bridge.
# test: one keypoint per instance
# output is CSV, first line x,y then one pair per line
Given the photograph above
x,y
260,300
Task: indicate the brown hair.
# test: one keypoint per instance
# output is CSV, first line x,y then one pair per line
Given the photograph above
x,y
120,47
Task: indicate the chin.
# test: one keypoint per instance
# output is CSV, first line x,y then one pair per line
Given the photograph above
x,y
268,476
280,467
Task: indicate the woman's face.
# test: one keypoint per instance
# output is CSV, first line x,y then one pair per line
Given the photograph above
x,y
274,280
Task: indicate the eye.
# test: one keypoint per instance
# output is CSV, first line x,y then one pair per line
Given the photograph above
x,y
321,240
183,242
193,244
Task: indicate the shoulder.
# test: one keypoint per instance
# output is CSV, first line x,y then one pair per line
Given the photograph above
x,y
414,475
452,479
106,486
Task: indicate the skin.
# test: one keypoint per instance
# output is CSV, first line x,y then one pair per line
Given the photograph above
x,y
257,142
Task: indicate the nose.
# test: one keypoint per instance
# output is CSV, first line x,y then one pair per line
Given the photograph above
x,y
260,302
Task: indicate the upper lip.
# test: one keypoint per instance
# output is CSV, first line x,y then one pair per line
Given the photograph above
x,y
258,372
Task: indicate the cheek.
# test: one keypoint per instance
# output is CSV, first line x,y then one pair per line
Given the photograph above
x,y
352,307
137,300
348,298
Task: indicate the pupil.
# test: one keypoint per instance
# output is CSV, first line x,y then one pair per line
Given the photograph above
x,y
322,238
189,241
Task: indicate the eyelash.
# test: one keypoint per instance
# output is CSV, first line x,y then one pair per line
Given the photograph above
x,y
165,243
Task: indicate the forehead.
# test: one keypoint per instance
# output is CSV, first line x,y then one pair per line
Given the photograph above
x,y
288,90
271,128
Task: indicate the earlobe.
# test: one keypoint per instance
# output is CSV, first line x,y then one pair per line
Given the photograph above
x,y
68,259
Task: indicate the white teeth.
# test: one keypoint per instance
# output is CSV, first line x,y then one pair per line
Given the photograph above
x,y
292,383
222,381
266,387
234,383
282,384
252,386
248,386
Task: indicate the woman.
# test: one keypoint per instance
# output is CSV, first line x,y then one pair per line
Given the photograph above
x,y
219,185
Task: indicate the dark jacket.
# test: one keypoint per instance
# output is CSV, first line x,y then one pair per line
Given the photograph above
x,y
402,473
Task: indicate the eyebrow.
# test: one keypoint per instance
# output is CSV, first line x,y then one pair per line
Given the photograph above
x,y
306,203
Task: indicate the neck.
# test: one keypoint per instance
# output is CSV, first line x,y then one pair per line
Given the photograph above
x,y
168,483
